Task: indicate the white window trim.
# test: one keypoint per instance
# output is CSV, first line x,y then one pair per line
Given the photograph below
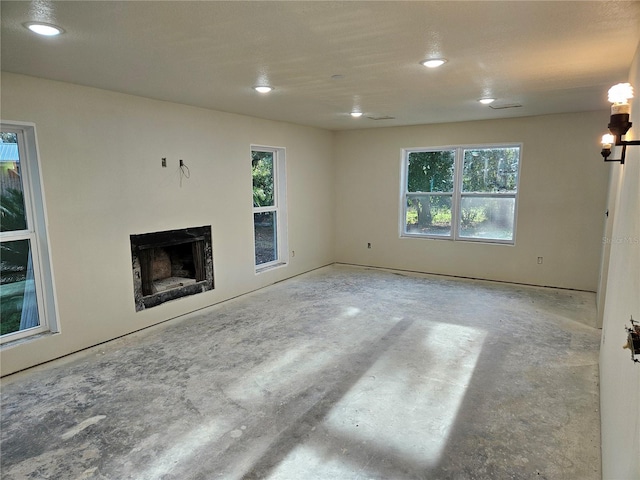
x,y
457,194
36,232
280,207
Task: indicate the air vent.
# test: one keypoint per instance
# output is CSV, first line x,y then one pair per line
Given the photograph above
x,y
382,117
505,105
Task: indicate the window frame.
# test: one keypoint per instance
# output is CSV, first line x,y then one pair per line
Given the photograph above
x,y
279,207
35,232
457,194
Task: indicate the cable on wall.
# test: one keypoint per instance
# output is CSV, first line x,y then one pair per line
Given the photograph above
x,y
184,171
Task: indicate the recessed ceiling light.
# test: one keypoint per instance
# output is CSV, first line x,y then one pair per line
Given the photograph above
x,y
46,29
434,62
487,101
356,114
263,89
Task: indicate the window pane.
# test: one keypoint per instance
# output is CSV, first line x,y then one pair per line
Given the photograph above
x,y
430,171
429,215
490,218
262,172
490,170
12,214
17,288
264,226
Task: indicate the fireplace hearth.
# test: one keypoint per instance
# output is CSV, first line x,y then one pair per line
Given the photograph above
x,y
171,264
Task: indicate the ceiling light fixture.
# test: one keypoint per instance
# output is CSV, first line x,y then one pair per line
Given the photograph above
x,y
356,114
619,124
487,101
434,62
45,29
263,89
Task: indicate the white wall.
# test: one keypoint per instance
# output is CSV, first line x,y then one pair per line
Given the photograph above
x,y
619,377
101,164
563,186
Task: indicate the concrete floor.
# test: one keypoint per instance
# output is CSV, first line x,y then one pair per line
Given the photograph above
x,y
341,373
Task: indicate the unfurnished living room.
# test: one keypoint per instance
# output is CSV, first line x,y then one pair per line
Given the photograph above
x,y
320,240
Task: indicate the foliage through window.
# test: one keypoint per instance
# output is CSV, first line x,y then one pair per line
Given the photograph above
x,y
26,299
461,193
269,214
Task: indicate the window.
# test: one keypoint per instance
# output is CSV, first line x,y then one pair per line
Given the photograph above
x,y
269,207
461,193
26,290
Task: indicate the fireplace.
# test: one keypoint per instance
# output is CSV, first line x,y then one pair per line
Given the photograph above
x,y
171,264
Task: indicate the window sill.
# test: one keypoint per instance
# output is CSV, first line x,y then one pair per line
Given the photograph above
x,y
270,267
22,340
486,241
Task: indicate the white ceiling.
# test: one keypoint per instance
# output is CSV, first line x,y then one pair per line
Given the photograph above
x,y
548,56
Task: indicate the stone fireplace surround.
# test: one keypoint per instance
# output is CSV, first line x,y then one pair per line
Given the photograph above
x,y
171,264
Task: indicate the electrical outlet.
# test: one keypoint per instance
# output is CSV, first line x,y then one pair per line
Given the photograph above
x,y
539,260
164,162
293,253
368,245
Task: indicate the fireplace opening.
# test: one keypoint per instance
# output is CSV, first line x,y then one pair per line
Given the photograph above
x,y
171,264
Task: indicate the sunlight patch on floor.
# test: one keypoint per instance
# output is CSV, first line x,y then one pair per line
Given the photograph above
x,y
278,374
281,374
184,449
309,462
404,406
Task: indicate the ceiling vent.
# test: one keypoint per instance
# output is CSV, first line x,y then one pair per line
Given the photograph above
x,y
382,117
505,105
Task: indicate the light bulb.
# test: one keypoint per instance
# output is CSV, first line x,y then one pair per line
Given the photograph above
x,y
620,93
607,140
356,114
